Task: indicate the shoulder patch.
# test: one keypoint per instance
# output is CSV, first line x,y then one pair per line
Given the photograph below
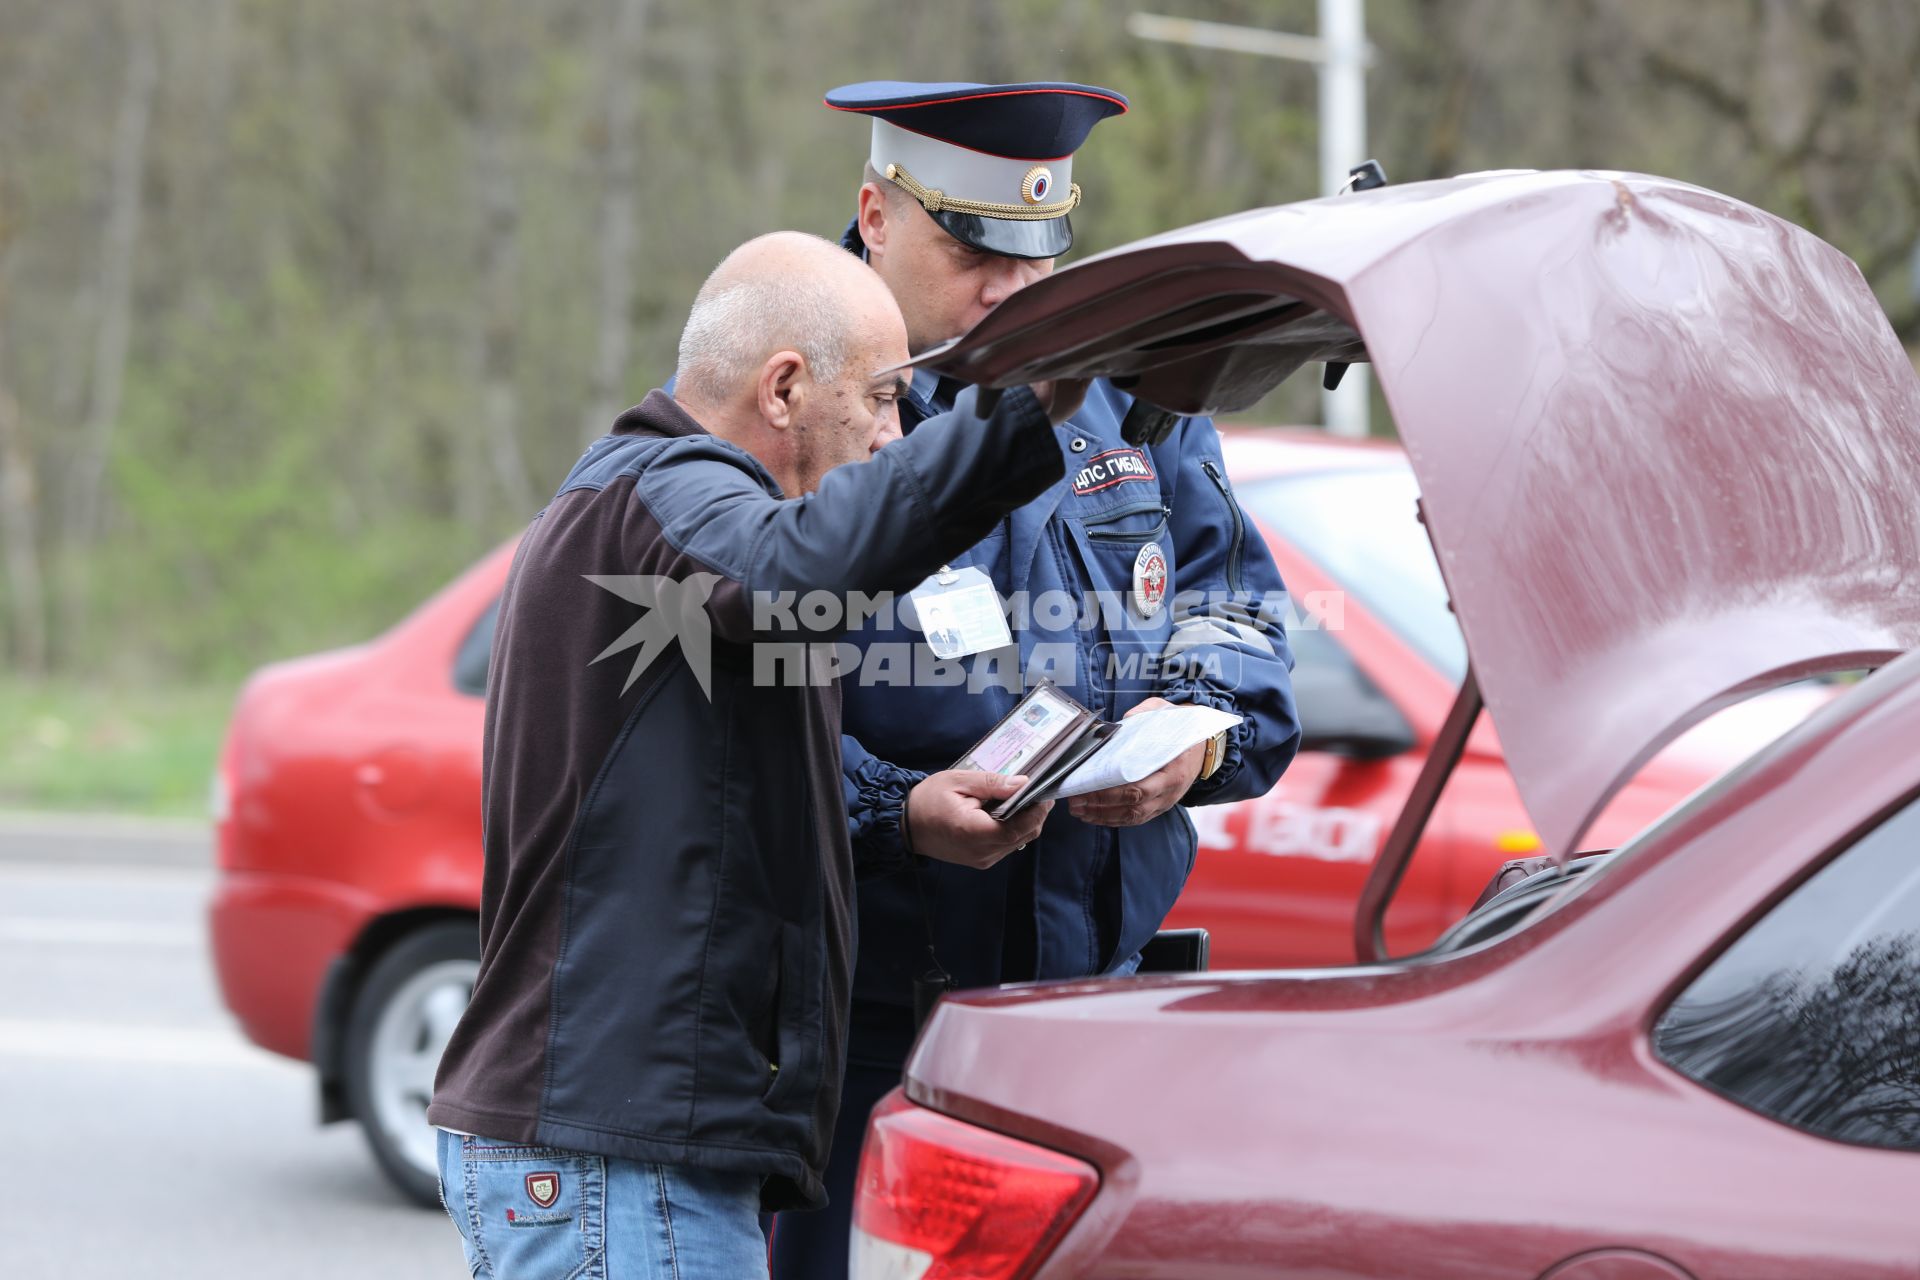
x,y
1115,466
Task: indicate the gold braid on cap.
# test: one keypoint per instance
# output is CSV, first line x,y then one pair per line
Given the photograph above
x,y
939,201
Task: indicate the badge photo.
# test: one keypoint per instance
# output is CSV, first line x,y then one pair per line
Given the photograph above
x,y
1149,579
959,613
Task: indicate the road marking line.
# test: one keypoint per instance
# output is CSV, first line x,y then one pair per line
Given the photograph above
x,y
119,874
42,823
144,1046
95,932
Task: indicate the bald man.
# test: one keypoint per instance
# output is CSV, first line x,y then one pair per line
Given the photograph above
x,y
652,1055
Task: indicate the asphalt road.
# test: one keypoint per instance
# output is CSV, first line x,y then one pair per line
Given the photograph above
x,y
141,1136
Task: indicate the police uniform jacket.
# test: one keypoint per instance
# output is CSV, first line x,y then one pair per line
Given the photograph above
x,y
1081,899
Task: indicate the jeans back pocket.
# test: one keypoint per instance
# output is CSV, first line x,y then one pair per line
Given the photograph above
x,y
534,1211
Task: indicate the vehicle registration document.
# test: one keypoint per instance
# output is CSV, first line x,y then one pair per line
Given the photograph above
x,y
1066,750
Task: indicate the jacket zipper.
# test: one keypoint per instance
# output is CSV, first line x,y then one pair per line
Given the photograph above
x,y
1239,524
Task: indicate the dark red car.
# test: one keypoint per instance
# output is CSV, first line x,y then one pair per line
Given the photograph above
x,y
1378,659
1668,451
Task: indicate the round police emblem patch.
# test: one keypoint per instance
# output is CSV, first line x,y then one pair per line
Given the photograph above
x,y
1037,185
1149,579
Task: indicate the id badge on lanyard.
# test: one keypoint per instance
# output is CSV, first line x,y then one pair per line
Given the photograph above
x,y
959,613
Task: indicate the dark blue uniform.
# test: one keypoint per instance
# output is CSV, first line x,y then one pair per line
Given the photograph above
x,y
1146,545
1081,899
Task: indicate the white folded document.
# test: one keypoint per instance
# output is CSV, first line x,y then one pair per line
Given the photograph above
x,y
1066,750
1141,744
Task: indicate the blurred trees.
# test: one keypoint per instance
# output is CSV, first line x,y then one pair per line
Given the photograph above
x,y
303,305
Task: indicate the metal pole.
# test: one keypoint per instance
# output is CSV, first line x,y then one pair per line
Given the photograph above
x,y
1343,144
1340,54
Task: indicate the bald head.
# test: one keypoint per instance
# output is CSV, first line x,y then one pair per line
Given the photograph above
x,y
779,353
787,290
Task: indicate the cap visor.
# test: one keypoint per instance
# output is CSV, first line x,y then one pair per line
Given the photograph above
x,y
1043,238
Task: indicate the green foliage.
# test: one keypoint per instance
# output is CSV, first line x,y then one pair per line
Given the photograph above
x,y
131,748
312,517
365,316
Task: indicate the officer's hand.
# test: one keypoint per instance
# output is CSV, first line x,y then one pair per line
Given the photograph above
x,y
1133,803
1061,398
947,817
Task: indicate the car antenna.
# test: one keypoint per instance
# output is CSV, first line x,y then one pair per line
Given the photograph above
x,y
1364,176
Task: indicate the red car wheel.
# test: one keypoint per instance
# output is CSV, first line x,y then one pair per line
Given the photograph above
x,y
401,1020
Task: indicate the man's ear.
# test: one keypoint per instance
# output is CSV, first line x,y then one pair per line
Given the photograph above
x,y
781,387
873,218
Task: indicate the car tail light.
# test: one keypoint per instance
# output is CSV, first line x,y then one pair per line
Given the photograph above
x,y
939,1199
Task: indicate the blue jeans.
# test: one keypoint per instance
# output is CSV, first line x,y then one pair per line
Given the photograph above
x,y
544,1213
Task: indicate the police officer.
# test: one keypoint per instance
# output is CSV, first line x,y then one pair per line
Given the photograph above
x,y
1135,580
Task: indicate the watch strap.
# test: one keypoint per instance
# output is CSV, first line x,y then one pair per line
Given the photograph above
x,y
1216,753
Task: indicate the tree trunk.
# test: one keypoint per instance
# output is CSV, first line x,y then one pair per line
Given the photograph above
x,y
208,167
26,591
619,212
122,235
496,319
114,310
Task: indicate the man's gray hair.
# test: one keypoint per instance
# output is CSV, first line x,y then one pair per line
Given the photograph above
x,y
736,324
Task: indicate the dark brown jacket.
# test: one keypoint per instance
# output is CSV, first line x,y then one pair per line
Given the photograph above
x,y
666,939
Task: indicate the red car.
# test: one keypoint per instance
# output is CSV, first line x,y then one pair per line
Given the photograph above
x,y
347,834
1668,452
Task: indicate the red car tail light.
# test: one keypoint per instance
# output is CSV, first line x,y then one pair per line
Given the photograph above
x,y
939,1199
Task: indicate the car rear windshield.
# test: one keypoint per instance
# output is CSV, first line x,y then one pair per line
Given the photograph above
x,y
1359,526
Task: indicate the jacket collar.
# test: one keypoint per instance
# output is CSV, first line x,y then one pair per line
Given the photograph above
x,y
658,415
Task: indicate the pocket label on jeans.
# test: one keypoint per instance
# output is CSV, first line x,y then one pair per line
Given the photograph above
x,y
517,1219
543,1188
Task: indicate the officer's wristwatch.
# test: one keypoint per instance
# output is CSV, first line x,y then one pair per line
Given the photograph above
x,y
1216,753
